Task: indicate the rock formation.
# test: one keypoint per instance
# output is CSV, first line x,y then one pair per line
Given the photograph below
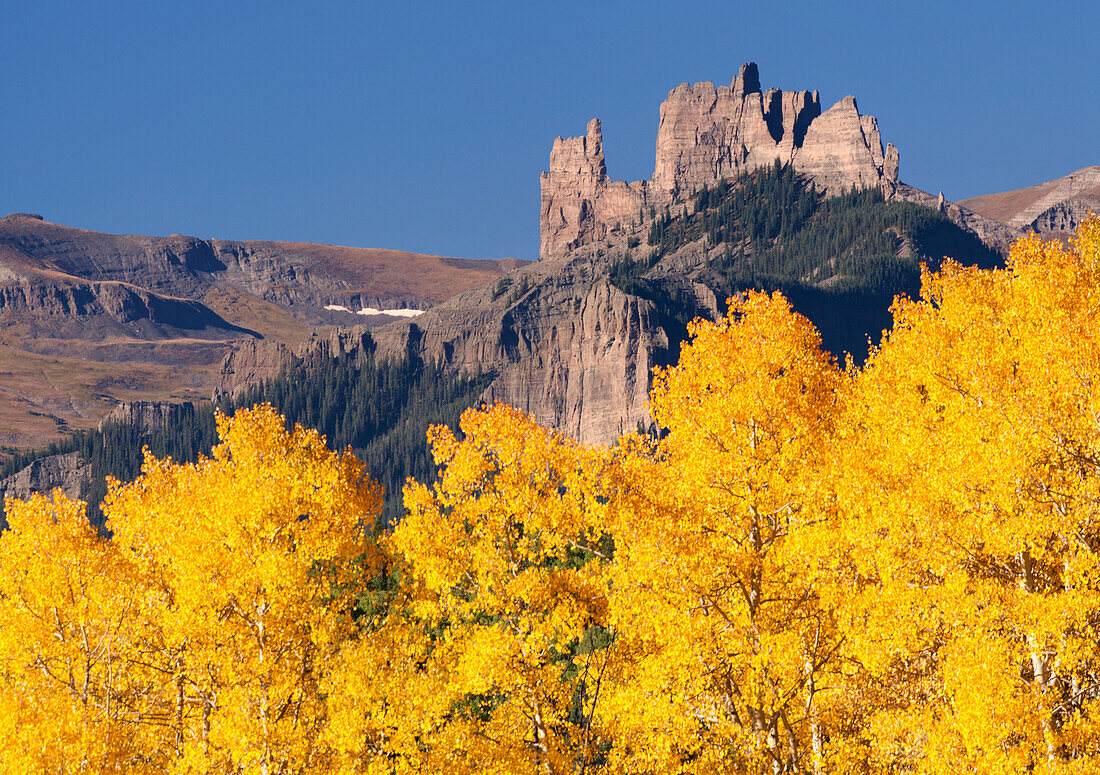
x,y
579,200
148,417
707,134
67,472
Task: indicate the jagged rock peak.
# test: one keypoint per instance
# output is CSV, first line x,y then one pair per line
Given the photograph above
x,y
705,134
748,79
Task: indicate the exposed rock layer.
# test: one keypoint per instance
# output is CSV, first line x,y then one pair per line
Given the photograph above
x,y
148,417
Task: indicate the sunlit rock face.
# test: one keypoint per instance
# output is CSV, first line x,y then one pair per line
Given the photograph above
x,y
707,133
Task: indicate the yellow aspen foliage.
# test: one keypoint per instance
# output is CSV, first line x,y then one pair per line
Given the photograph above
x,y
503,561
77,685
197,638
732,649
251,554
972,454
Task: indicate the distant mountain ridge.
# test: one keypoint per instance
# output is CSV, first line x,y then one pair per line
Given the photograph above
x,y
88,319
1056,206
302,276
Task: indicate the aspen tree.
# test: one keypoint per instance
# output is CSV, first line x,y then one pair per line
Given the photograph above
x,y
716,585
503,558
975,461
79,690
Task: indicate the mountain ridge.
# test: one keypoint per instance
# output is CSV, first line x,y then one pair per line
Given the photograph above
x,y
1057,205
88,319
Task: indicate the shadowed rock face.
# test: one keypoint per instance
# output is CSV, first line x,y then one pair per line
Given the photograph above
x,y
708,133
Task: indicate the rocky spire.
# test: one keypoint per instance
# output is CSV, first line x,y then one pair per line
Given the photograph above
x,y
705,134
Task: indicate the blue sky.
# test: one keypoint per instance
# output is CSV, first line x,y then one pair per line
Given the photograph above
x,y
424,126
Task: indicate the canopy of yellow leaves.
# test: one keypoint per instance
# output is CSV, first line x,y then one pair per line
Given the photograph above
x,y
811,569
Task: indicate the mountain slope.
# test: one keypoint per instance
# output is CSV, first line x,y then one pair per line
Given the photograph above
x,y
1056,206
573,339
88,319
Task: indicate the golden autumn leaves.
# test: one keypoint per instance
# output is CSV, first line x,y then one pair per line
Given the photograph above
x,y
893,568
195,639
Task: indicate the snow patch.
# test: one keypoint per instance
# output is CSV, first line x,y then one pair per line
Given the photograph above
x,y
400,313
404,312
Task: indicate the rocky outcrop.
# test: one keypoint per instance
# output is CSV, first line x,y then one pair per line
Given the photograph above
x,y
574,351
844,149
257,362
579,200
67,472
1065,216
148,417
705,134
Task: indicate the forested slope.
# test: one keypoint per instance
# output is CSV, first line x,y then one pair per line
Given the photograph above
x,y
380,407
841,259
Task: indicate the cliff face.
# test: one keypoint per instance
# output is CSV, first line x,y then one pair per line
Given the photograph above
x,y
68,472
708,133
559,340
573,350
150,416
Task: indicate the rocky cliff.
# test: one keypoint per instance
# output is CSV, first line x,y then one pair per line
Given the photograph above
x,y
705,134
67,472
147,417
559,339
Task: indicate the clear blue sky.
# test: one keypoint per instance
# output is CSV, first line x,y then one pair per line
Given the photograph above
x,y
424,126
